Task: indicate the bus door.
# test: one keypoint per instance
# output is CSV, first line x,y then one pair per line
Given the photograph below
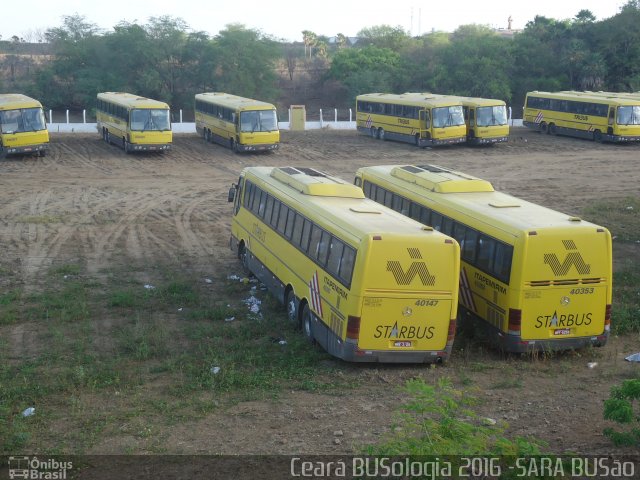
x,y
612,116
425,123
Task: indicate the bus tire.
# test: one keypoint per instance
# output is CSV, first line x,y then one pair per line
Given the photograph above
x,y
234,146
543,127
205,135
381,134
307,328
552,129
41,153
291,307
597,136
126,146
417,139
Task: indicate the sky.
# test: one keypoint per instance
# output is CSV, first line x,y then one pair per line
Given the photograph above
x,y
288,18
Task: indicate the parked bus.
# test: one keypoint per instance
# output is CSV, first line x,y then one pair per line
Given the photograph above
x,y
486,120
423,119
242,124
137,124
579,114
532,278
366,283
23,128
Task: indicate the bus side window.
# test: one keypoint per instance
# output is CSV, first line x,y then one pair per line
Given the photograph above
x,y
436,221
414,211
288,231
247,195
268,210
274,216
323,247
502,262
335,255
347,263
314,241
297,229
282,218
306,234
447,225
262,205
469,249
612,114
425,216
486,248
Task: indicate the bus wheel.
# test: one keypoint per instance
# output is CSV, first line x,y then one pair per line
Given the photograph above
x,y
41,153
126,145
543,127
105,135
381,134
290,305
552,129
417,140
597,136
307,329
234,146
205,135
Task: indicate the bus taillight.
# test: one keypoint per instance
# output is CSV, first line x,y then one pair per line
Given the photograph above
x,y
607,316
515,321
353,327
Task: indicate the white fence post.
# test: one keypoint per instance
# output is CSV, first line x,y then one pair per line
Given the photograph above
x,y
50,116
320,118
67,116
335,115
84,116
180,115
349,115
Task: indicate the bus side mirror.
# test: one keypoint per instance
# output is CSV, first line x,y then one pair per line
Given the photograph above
x,y
232,194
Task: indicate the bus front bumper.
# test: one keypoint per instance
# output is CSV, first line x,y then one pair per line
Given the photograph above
x,y
148,147
486,141
423,142
258,148
43,147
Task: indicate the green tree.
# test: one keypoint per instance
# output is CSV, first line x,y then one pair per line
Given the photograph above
x,y
368,69
245,61
385,36
477,62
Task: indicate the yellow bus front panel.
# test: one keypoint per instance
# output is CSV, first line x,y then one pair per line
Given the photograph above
x,y
26,142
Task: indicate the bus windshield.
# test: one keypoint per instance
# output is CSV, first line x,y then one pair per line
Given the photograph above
x,y
23,120
258,121
448,116
490,116
629,115
150,119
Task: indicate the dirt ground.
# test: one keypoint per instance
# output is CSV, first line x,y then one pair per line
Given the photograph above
x,y
87,201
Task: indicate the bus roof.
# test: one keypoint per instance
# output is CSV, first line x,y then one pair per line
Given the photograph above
x,y
11,101
352,215
233,101
409,98
587,97
130,100
500,210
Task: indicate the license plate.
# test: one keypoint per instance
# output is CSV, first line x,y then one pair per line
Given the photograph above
x,y
562,331
401,344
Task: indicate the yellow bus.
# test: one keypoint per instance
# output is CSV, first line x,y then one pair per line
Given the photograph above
x,y
579,114
366,283
532,278
486,120
23,128
423,119
242,124
137,124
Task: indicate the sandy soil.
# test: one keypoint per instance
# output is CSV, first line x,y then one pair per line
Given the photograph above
x,y
87,201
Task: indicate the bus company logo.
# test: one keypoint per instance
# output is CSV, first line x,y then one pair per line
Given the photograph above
x,y
418,268
34,468
573,259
